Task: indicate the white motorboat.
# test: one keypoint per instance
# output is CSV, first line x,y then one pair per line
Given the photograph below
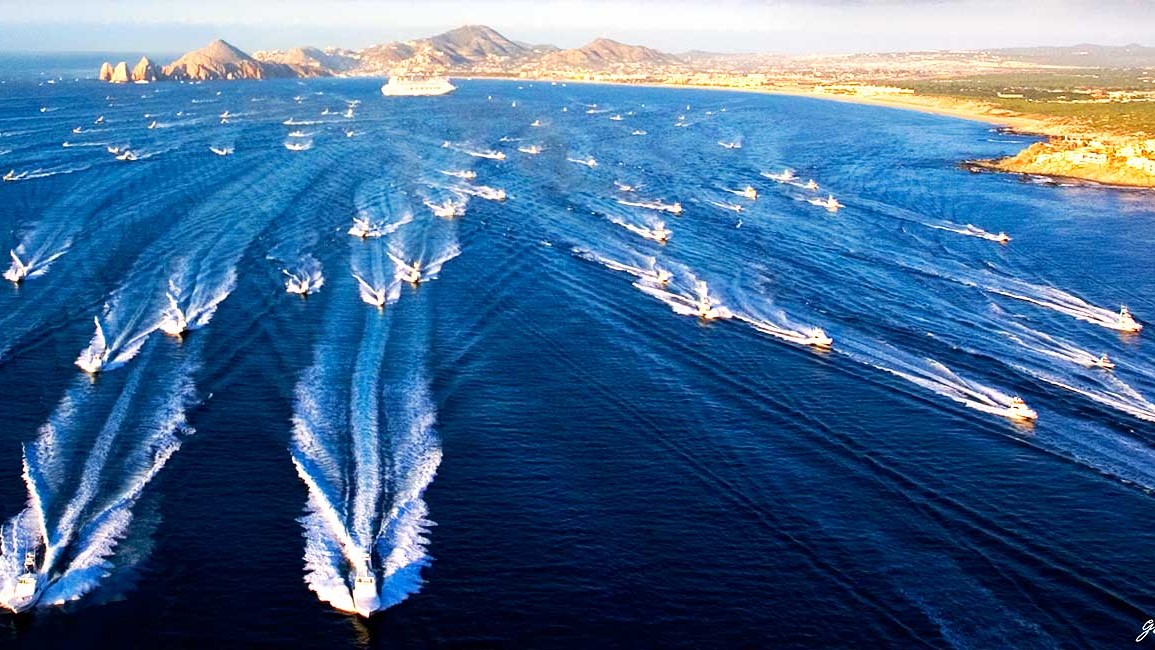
x,y
366,600
830,203
173,321
18,271
1126,322
1018,410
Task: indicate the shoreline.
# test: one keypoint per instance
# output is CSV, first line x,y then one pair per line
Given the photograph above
x,y
1042,126
945,107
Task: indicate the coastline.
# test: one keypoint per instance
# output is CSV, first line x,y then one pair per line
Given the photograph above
x,y
1037,159
944,106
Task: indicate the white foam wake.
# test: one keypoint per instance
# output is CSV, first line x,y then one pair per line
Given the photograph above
x,y
1052,298
87,469
366,452
776,323
34,255
933,376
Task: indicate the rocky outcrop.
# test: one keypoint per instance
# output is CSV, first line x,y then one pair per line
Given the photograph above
x,y
146,70
1129,162
106,71
120,74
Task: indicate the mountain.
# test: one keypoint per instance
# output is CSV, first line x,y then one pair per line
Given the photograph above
x,y
478,50
328,61
220,60
472,43
471,47
604,53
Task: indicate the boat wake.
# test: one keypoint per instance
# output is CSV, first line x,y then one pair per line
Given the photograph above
x,y
463,174
85,473
28,175
726,205
104,353
779,325
1091,377
305,277
482,192
366,451
688,296
653,229
377,281
656,205
937,378
1053,347
193,296
489,154
419,266
971,230
33,257
645,269
1060,301
449,208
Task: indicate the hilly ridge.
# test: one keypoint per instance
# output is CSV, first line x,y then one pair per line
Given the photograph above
x,y
480,50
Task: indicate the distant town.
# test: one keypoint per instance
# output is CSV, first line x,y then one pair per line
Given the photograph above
x,y
1096,103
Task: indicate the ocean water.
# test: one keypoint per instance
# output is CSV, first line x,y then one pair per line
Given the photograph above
x,y
535,448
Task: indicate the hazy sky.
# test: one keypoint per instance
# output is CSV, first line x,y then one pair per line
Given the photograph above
x,y
789,26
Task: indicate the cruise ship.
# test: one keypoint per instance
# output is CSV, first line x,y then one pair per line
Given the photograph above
x,y
415,86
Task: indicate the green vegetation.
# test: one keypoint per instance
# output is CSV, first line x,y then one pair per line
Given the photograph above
x,y
1121,118
1041,84
1068,94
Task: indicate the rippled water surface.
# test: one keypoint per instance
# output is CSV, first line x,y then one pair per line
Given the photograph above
x,y
541,444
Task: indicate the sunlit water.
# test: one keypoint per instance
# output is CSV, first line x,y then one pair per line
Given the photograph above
x,y
541,444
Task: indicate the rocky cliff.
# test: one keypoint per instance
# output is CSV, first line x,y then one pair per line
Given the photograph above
x,y
120,74
146,70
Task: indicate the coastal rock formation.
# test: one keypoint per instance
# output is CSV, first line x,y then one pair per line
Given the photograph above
x,y
1111,161
220,60
120,74
106,71
146,70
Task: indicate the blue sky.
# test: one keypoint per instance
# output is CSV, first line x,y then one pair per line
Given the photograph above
x,y
786,26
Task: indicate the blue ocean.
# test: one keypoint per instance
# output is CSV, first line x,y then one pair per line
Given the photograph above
x,y
559,366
